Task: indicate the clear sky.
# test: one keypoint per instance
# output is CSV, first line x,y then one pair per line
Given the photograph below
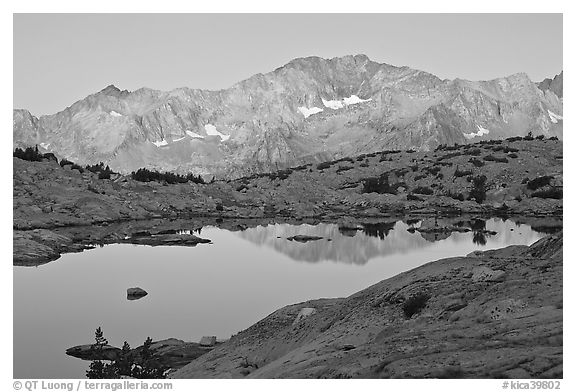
x,y
61,58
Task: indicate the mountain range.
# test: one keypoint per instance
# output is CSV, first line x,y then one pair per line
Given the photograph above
x,y
309,110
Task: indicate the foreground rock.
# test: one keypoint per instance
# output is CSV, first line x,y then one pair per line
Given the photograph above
x,y
171,353
491,314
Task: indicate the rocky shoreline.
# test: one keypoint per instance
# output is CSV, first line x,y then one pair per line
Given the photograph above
x,y
493,314
50,201
39,246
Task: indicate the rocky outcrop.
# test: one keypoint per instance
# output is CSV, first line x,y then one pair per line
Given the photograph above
x,y
496,314
40,246
91,352
555,85
170,353
298,113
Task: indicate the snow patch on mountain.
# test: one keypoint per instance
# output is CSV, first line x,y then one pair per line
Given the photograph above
x,y
354,99
339,104
481,131
45,145
177,140
335,105
307,112
212,131
115,114
160,143
555,117
194,135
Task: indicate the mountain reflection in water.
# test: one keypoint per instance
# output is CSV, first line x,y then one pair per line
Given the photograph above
x,y
374,239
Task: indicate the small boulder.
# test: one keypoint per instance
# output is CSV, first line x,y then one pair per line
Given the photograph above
x,y
134,293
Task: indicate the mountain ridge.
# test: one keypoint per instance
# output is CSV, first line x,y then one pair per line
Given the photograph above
x,y
308,110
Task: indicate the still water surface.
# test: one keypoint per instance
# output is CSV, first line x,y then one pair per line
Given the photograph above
x,y
211,289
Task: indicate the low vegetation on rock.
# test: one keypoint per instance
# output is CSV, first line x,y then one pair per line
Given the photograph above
x,y
127,363
145,175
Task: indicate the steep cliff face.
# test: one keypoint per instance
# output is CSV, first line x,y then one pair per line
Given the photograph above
x,y
311,109
555,85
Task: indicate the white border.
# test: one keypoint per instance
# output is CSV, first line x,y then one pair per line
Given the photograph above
x,y
260,6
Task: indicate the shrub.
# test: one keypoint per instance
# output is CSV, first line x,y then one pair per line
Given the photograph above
x,y
77,167
539,182
478,191
65,162
473,151
461,173
529,136
513,155
450,155
49,157
30,154
514,139
280,174
344,168
380,185
347,159
324,165
219,207
423,190
139,363
145,175
433,170
301,167
553,138
476,162
414,304
412,197
540,137
104,175
419,177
